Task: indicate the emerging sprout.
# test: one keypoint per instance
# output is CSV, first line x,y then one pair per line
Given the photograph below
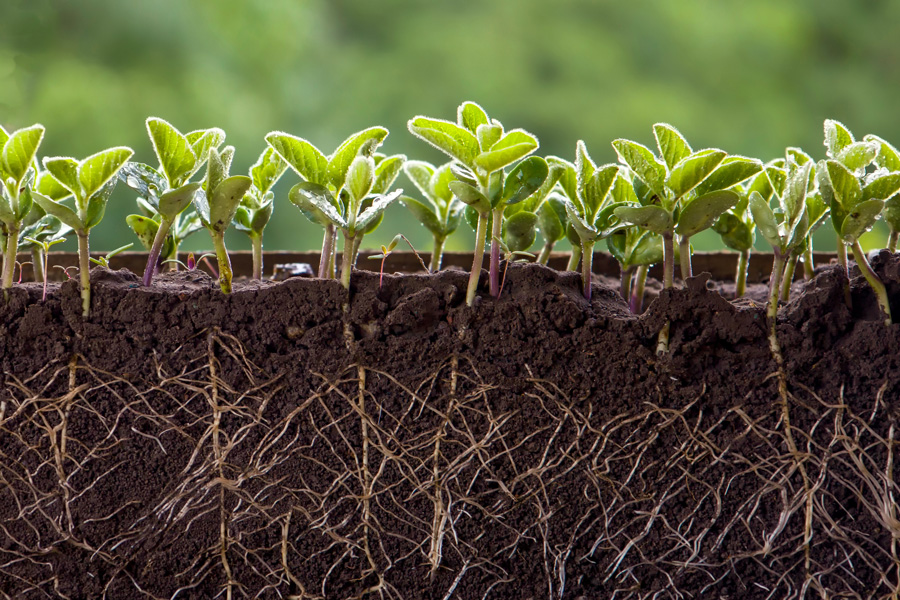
x,y
256,208
40,266
91,182
103,261
443,210
389,249
636,250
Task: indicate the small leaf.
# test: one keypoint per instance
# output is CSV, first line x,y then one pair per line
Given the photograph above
x,y
520,233
844,184
202,141
470,116
241,220
550,222
386,173
888,157
144,228
837,137
360,143
225,199
420,173
525,179
173,150
730,172
653,218
568,179
173,202
316,203
857,155
451,139
647,251
267,170
641,161
19,151
25,203
360,177
513,146
794,197
700,213
260,218
623,191
691,171
143,179
673,148
488,134
60,211
797,156
892,213
861,219
440,184
65,171
304,158
96,205
765,221
96,170
882,187
597,189
423,214
49,186
584,230
376,210
470,196
584,171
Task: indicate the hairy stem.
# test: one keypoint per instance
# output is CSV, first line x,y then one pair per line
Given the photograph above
x,y
45,263
788,277
223,260
437,254
37,262
874,282
574,258
587,263
9,258
544,256
892,241
740,278
84,269
625,283
637,290
684,248
327,251
475,274
496,228
842,260
347,261
668,259
257,247
153,257
809,265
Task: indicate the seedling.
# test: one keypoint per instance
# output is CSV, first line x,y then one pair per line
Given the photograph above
x,y
636,250
217,203
443,210
483,149
683,192
17,155
256,208
91,182
522,219
166,193
103,261
41,267
191,263
511,256
552,223
389,249
888,161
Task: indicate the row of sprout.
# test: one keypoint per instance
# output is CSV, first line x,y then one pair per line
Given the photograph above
x,y
645,209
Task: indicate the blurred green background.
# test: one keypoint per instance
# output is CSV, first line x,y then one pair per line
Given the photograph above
x,y
749,77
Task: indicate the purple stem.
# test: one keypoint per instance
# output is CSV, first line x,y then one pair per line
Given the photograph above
x,y
153,258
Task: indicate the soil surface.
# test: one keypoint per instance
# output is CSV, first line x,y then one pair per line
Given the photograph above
x,y
294,440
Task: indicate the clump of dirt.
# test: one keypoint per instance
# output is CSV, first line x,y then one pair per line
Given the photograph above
x,y
295,439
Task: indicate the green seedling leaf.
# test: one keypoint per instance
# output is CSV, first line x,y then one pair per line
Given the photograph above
x,y
424,214
691,171
584,171
882,187
176,157
62,212
730,172
488,134
794,198
25,203
470,196
173,202
4,136
648,250
261,217
202,141
6,212
861,219
519,233
640,159
65,171
96,170
143,179
96,205
552,219
653,218
471,116
597,188
525,179
267,170
224,201
765,221
463,174
837,137
888,157
700,213
19,150
49,186
584,230
304,158
361,177
420,173
736,234
673,148
797,156
844,185
386,173
453,140
622,191
144,228
858,155
316,203
892,213
361,143
375,211
568,180
513,146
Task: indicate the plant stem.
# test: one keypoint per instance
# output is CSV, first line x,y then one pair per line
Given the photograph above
x,y
892,241
772,306
684,248
740,278
842,260
574,258
223,260
327,251
44,265
625,289
809,265
587,263
874,282
37,262
256,245
347,261
788,277
357,242
475,274
637,290
84,269
668,259
9,259
437,254
153,257
496,229
544,256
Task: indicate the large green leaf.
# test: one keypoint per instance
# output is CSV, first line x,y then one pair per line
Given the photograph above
x,y
519,232
360,143
424,214
731,171
882,187
525,179
19,151
652,218
888,156
470,196
646,166
173,202
304,158
60,211
857,155
673,148
176,157
225,199
513,146
360,177
49,186
700,213
861,219
96,170
837,137
65,171
316,203
451,139
597,188
765,221
386,173
690,171
844,184
267,170
471,115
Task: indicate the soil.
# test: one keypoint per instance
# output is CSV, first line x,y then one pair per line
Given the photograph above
x,y
296,440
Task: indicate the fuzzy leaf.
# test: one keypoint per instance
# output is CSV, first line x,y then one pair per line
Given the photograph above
x,y
568,180
225,199
470,196
488,134
260,218
882,187
892,213
690,171
597,189
861,219
700,213
584,171
65,171
857,155
49,186
519,233
386,173
267,170
513,146
673,148
440,185
470,116
143,179
623,191
453,140
736,234
888,156
641,160
837,137
424,214
585,230
653,218
731,171
794,198
96,170
202,141
376,210
173,202
304,158
144,228
845,186
360,143
552,219
316,203
19,151
96,205
60,211
765,221
176,157
525,179
420,173
360,177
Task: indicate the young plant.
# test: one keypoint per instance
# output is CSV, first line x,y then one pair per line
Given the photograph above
x,y
682,193
522,220
552,223
636,250
483,149
90,181
103,261
17,152
166,193
38,226
442,213
256,208
389,249
888,161
217,202
44,243
361,206
330,173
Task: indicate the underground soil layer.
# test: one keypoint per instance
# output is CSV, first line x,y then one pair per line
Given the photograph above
x,y
296,440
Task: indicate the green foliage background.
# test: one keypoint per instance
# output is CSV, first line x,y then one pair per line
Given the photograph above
x,y
749,77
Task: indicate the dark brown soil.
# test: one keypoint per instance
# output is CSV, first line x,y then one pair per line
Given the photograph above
x,y
292,440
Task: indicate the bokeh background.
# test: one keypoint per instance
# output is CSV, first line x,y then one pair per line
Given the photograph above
x,y
749,77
